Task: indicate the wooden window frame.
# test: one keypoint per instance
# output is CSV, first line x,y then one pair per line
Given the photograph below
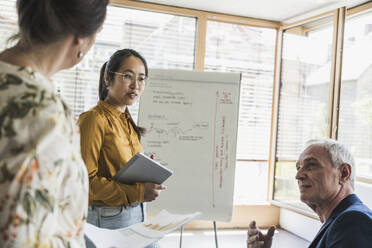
x,y
203,17
340,15
334,91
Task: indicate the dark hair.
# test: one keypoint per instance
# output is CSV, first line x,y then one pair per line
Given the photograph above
x,y
42,22
112,65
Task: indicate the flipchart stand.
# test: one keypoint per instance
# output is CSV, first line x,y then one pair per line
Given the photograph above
x,y
215,234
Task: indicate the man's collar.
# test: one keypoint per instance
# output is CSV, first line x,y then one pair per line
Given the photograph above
x,y
344,204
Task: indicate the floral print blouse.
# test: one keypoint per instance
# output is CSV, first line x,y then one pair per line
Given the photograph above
x,y
43,180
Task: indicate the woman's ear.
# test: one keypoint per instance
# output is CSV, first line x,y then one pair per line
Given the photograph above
x,y
78,41
106,80
82,45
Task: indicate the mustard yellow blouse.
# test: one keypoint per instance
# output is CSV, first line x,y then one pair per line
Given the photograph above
x,y
108,141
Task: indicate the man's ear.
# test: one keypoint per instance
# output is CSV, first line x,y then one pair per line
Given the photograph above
x,y
345,173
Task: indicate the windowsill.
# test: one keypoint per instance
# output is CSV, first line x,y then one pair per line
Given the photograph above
x,y
265,215
295,209
362,179
257,203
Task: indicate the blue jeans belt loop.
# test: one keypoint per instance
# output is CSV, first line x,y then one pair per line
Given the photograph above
x,y
143,209
98,212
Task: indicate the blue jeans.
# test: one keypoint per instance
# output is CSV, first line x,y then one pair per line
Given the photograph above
x,y
115,218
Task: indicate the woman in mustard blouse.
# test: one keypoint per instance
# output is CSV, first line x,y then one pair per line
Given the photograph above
x,y
109,139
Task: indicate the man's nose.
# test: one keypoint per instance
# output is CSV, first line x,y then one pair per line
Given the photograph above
x,y
300,174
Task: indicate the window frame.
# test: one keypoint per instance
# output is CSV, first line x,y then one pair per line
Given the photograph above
x,y
340,16
202,18
355,11
334,91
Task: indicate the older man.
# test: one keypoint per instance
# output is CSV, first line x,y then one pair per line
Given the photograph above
x,y
325,176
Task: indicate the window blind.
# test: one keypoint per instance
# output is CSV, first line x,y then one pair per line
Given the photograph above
x,y
249,50
355,118
157,36
168,41
8,22
304,101
304,89
165,40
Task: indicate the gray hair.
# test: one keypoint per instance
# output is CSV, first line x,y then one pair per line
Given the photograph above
x,y
338,153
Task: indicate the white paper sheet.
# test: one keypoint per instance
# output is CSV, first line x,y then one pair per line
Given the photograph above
x,y
191,121
140,234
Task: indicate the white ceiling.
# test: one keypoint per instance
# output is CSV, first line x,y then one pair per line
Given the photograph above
x,y
275,10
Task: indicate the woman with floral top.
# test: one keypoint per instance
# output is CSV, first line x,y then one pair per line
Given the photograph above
x,y
43,180
110,138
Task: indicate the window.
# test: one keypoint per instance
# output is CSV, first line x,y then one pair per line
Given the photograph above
x,y
8,22
304,101
168,41
250,50
355,118
165,40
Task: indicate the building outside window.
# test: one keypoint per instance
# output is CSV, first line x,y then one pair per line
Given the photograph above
x,y
304,100
355,118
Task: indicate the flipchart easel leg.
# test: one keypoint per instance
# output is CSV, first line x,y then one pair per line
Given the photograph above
x,y
215,233
181,231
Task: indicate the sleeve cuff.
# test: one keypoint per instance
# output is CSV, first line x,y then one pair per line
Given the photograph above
x,y
141,192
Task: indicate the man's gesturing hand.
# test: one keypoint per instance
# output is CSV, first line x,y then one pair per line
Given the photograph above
x,y
256,239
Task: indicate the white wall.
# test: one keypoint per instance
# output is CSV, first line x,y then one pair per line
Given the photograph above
x,y
364,192
301,225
